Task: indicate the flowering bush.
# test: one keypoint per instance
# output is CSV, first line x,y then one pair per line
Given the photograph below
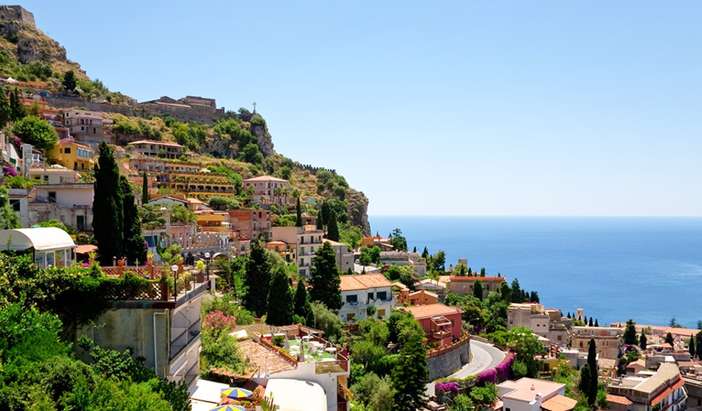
x,y
489,375
446,387
9,171
219,320
504,368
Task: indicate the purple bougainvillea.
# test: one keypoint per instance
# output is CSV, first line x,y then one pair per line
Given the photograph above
x,y
489,375
9,171
446,387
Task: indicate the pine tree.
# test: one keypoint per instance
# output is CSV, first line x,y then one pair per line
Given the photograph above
x,y
332,227
258,278
298,215
280,299
410,374
325,279
108,213
301,300
642,340
478,290
134,246
5,112
533,297
669,339
17,110
592,364
691,347
630,333
144,189
69,81
517,295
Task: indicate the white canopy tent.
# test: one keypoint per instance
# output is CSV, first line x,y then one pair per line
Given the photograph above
x,y
50,245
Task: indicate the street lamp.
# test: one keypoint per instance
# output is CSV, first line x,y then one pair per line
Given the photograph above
x,y
207,265
174,268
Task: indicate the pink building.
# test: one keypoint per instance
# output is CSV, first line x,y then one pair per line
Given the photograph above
x,y
441,323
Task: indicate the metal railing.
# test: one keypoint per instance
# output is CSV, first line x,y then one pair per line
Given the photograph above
x,y
183,339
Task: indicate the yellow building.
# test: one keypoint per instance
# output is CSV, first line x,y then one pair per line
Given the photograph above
x,y
73,155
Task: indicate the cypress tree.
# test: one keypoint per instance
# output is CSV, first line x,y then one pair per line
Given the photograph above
x,y
478,290
630,333
482,272
517,294
298,216
108,214
410,374
585,380
698,344
425,253
691,347
568,314
597,324
590,323
332,227
325,279
301,300
592,364
144,189
280,299
258,278
669,339
134,246
16,108
414,249
533,297
642,340
320,220
5,112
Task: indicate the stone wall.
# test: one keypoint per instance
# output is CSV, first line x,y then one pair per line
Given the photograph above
x,y
200,114
447,361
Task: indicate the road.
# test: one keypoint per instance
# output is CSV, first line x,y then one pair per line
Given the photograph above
x,y
483,356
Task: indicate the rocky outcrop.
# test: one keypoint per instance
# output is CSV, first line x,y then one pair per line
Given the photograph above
x,y
265,142
358,209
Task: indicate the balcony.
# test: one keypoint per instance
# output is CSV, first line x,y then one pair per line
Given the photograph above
x,y
184,339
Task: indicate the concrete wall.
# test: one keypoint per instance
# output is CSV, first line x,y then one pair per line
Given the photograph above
x,y
449,361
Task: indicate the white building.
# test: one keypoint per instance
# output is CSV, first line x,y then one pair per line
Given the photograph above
x,y
529,394
49,246
344,256
414,260
663,389
296,395
359,292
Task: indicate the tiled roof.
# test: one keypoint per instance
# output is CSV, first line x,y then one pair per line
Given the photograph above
x,y
618,399
352,282
559,403
474,278
264,178
262,358
431,310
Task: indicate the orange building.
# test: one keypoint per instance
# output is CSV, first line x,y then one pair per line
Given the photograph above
x,y
442,324
463,285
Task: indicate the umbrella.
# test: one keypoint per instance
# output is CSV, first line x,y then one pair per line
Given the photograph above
x,y
236,393
229,408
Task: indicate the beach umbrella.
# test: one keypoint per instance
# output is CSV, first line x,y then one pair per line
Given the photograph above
x,y
229,408
236,393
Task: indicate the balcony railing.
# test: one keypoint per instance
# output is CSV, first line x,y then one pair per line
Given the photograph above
x,y
184,339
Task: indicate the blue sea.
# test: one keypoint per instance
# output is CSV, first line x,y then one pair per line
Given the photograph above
x,y
648,269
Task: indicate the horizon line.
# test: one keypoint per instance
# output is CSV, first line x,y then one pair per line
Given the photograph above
x,y
533,216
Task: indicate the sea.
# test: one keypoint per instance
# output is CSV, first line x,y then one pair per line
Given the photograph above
x,y
616,268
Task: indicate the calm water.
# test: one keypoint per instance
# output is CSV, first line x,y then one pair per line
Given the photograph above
x,y
649,269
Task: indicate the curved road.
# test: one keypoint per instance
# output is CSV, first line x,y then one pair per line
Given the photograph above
x,y
483,356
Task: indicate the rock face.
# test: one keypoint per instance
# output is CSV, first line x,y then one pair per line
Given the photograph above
x,y
265,142
358,209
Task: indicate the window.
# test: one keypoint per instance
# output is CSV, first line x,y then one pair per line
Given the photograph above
x,y
52,196
371,296
382,295
352,299
381,313
67,150
350,316
15,205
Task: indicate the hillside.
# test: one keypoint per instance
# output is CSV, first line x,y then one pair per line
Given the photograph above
x,y
236,140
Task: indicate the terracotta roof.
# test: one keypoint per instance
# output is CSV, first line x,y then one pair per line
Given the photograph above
x,y
350,282
264,178
262,358
431,310
474,278
85,248
660,397
618,399
559,403
424,292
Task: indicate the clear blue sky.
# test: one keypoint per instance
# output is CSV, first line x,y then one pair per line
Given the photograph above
x,y
477,108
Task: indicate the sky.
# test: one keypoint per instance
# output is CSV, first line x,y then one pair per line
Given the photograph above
x,y
434,108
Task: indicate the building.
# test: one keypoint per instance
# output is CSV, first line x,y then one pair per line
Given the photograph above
x,y
49,246
56,174
303,242
251,223
70,203
441,323
661,390
530,394
463,285
546,322
422,297
268,190
151,148
414,260
88,127
607,339
212,221
344,256
73,155
298,353
360,292
383,243
437,287
160,326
